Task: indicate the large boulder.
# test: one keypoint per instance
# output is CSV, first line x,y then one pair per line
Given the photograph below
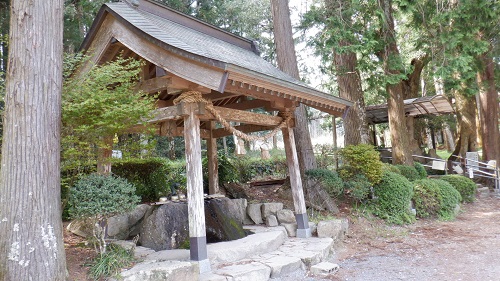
x,y
166,228
128,225
254,212
271,209
224,219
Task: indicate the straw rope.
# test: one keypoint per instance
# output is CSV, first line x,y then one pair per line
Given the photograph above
x,y
196,97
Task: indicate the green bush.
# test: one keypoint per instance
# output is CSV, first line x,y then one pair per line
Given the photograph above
x,y
408,172
226,170
393,199
98,197
251,168
358,188
386,167
152,177
110,263
426,197
361,159
449,199
420,170
330,180
465,186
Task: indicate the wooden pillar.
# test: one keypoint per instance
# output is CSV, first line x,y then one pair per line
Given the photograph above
x,y
194,175
213,163
303,230
334,132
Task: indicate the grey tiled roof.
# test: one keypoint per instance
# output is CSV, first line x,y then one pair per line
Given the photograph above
x,y
198,43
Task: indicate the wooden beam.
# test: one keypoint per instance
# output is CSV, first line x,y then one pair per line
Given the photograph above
x,y
249,104
303,230
194,182
154,85
222,132
213,173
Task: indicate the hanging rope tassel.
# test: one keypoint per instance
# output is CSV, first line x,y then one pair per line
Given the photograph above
x,y
196,97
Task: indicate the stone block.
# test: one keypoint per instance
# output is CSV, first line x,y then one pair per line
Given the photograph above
x,y
324,268
281,265
291,229
254,271
314,228
285,216
271,221
162,271
335,229
255,213
271,209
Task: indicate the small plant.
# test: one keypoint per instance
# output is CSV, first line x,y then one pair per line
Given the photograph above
x,y
393,199
449,199
227,171
358,188
386,167
110,263
99,197
420,170
465,186
426,198
328,179
361,159
408,172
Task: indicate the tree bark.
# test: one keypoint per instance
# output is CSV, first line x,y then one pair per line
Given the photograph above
x,y
30,201
401,152
466,114
104,157
488,105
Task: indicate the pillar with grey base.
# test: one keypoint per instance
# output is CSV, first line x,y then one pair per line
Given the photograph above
x,y
194,177
303,230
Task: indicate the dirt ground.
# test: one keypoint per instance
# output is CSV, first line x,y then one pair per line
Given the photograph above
x,y
464,249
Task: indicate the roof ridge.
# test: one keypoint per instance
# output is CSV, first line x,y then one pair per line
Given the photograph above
x,y
163,11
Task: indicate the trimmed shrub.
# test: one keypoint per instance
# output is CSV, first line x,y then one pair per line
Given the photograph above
x,y
152,177
361,159
358,188
251,168
393,199
330,180
449,199
386,167
408,172
465,186
420,170
426,198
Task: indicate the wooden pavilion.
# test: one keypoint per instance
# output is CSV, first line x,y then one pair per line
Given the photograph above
x,y
204,76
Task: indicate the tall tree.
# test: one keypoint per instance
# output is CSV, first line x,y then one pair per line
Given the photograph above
x,y
30,206
401,153
287,62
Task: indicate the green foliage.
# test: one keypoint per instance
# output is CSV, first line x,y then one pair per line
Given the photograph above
x,y
330,180
393,199
386,167
420,170
450,198
465,186
408,172
253,169
426,197
98,105
109,264
152,177
227,171
325,159
358,188
101,196
361,159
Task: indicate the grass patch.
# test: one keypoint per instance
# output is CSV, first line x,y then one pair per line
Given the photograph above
x,y
443,154
110,263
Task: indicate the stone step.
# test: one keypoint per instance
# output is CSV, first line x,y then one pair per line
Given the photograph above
x,y
294,254
165,270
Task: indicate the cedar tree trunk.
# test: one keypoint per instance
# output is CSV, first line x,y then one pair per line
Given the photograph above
x,y
466,117
31,240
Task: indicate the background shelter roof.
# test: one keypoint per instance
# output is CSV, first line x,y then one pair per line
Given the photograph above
x,y
416,107
230,62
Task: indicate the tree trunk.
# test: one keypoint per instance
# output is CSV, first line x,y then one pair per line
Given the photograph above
x,y
401,152
466,114
31,241
349,83
449,141
287,62
488,105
